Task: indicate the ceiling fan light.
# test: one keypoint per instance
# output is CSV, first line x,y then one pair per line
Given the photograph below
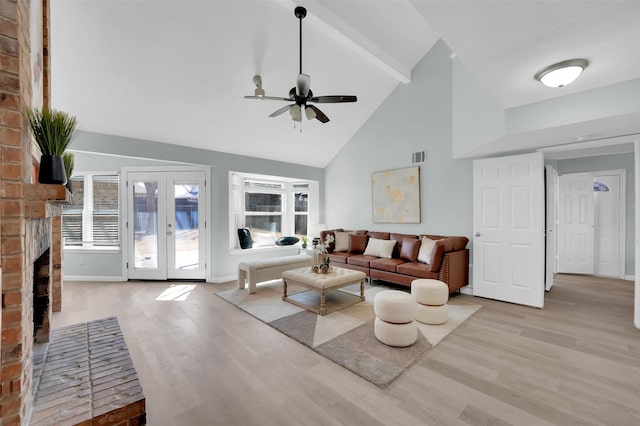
x,y
310,113
562,73
296,113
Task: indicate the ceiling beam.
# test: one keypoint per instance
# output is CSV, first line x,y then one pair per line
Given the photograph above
x,y
339,30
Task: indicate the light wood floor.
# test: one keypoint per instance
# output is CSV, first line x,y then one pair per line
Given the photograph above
x,y
203,361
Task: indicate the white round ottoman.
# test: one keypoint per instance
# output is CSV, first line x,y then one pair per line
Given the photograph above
x,y
434,315
399,335
432,297
395,313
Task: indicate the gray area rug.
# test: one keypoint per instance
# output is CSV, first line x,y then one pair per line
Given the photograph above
x,y
345,337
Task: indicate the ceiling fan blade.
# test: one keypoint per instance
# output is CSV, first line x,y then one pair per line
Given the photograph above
x,y
333,99
280,111
319,114
303,83
267,98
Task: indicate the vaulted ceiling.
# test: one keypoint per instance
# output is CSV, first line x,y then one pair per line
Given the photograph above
x,y
177,71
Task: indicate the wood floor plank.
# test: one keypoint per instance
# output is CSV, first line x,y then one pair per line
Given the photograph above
x,y
203,361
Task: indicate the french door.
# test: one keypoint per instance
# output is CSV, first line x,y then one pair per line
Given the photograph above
x,y
166,225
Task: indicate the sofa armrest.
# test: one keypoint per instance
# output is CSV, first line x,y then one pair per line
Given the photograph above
x,y
444,246
455,269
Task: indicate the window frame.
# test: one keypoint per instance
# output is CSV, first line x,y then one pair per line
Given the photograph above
x,y
288,189
87,214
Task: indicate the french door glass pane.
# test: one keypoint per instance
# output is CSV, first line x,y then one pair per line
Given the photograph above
x,y
145,211
187,237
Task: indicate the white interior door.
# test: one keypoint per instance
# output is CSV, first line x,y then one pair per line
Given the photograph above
x,y
165,225
575,224
608,202
551,234
508,222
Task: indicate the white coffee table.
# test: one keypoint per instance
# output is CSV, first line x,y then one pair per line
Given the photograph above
x,y
323,283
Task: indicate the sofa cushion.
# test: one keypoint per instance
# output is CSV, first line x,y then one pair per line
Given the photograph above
x,y
339,256
324,234
342,241
357,243
379,235
380,248
361,260
409,250
426,250
389,265
399,238
416,269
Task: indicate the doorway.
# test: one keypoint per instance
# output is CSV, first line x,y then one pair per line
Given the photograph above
x,y
166,224
591,223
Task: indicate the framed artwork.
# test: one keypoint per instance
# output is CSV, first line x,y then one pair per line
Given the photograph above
x,y
395,195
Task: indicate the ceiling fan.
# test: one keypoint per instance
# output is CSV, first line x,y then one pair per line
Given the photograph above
x,y
301,95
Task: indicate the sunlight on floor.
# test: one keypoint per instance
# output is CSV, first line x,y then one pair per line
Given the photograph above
x,y
176,292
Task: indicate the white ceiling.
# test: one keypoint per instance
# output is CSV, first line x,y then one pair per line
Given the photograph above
x,y
176,71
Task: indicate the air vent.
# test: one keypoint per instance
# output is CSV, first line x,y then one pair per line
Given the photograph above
x,y
419,157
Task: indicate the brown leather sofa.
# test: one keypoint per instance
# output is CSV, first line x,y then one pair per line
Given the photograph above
x,y
449,260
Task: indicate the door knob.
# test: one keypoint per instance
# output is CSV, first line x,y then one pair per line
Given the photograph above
x,y
477,234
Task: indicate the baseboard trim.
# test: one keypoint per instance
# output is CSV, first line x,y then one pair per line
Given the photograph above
x,y
630,277
92,278
226,279
467,290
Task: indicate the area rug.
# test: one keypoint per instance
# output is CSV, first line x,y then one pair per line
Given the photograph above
x,y
345,337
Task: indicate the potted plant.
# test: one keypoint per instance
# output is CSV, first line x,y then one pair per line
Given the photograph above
x,y
52,131
304,242
67,160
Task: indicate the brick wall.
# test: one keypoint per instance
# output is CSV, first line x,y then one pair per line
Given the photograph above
x,y
16,174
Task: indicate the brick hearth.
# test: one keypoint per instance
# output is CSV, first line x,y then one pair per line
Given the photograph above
x,y
85,376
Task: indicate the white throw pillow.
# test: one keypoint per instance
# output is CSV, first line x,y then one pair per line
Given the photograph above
x,y
262,239
426,248
342,241
380,248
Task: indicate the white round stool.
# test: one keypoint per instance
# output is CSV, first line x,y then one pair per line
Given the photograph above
x,y
432,297
395,313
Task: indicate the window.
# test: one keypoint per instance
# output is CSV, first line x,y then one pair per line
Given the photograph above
x,y
271,207
599,186
91,220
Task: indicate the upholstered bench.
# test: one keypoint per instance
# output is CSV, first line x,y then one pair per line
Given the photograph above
x,y
269,269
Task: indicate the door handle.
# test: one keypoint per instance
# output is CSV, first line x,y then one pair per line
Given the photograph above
x,y
477,234
169,233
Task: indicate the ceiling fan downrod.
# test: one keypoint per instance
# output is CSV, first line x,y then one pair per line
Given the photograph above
x,y
300,13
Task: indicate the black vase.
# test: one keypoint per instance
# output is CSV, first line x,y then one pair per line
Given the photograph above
x,y
52,170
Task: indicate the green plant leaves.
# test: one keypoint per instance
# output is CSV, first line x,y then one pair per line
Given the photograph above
x,y
51,129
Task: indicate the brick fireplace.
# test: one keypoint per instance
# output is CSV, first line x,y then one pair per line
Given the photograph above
x,y
30,214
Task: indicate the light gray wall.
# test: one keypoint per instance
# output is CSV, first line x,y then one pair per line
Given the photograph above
x,y
608,101
477,115
611,162
416,116
222,261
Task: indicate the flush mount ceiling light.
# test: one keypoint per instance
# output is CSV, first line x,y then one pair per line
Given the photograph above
x,y
562,73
